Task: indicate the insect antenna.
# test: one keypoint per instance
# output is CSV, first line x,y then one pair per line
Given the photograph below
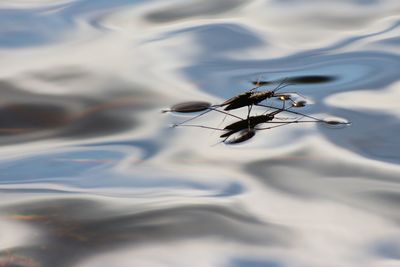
x,y
219,142
195,117
282,86
226,113
223,120
258,84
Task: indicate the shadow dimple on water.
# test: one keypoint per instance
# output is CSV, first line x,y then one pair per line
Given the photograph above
x,y
306,79
311,79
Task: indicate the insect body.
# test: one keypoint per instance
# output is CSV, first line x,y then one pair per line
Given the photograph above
x,y
248,98
241,136
249,123
252,97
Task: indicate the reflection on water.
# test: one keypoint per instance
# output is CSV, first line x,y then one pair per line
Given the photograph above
x,y
92,175
71,229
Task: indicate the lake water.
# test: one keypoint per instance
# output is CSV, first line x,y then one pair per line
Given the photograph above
x,y
92,174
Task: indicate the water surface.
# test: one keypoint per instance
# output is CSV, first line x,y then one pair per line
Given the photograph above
x,y
92,175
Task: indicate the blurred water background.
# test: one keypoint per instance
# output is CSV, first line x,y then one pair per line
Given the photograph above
x,y
91,174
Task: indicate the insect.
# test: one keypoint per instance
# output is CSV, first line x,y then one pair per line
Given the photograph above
x,y
245,128
209,108
253,97
249,98
249,123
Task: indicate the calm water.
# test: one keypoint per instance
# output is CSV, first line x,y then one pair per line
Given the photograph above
x,y
91,175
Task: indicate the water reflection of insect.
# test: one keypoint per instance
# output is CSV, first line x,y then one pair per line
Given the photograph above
x,y
249,123
244,129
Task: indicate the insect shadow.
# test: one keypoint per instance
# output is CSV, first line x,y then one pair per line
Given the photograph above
x,y
306,79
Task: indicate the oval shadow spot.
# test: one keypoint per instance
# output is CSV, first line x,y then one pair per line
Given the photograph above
x,y
310,79
191,106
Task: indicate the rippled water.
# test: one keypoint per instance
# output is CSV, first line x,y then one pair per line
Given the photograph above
x,y
91,174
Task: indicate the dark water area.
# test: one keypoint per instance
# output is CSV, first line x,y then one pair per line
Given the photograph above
x,y
92,174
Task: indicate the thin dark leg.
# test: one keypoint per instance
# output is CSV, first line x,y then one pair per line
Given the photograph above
x,y
201,126
205,112
290,111
248,115
199,115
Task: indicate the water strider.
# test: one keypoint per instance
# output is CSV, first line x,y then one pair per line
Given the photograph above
x,y
245,128
249,98
252,97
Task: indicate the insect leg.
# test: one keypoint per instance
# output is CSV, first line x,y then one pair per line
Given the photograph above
x,y
201,126
271,127
248,115
286,123
258,84
205,112
195,117
290,111
285,118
